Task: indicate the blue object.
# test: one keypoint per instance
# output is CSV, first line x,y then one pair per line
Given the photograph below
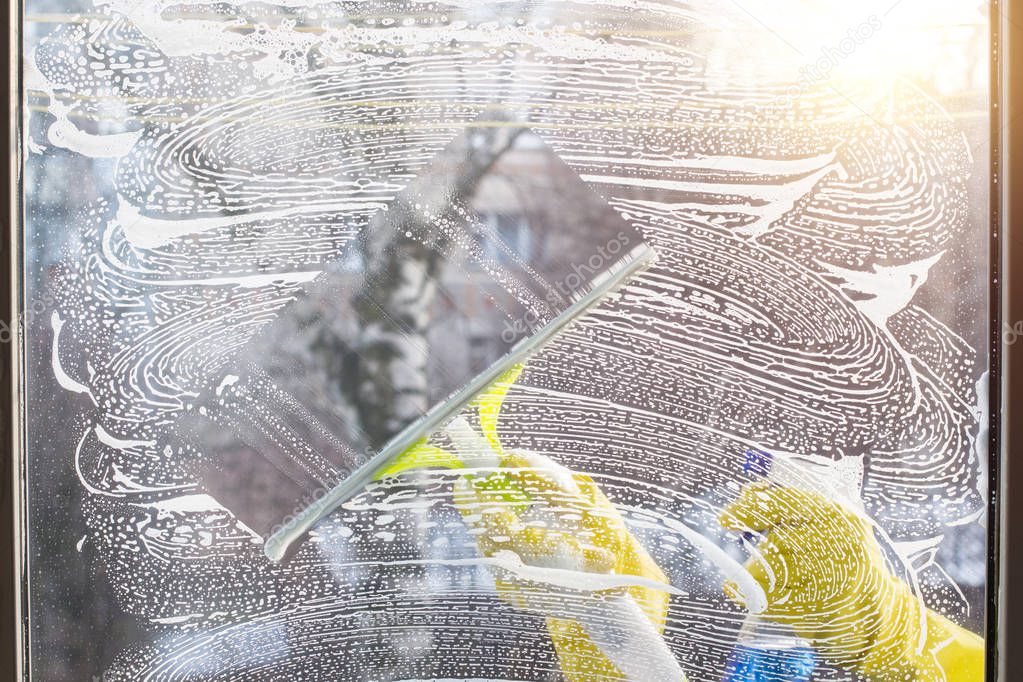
x,y
758,463
755,664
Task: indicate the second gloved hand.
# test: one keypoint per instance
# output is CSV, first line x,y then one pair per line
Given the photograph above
x,y
825,575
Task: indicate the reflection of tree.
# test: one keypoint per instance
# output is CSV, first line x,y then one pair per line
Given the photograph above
x,y
403,253
382,373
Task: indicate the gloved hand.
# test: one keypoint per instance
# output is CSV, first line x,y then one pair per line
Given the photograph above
x,y
548,517
824,574
553,518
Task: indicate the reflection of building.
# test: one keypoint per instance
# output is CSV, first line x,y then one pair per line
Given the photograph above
x,y
530,207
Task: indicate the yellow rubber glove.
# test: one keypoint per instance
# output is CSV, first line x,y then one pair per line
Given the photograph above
x,y
825,575
551,517
485,409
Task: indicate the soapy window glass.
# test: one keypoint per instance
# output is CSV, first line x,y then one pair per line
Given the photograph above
x,y
772,440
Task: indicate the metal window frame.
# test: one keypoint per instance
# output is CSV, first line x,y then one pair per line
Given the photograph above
x,y
1005,527
12,615
1005,572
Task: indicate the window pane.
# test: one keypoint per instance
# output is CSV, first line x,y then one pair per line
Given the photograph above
x,y
205,184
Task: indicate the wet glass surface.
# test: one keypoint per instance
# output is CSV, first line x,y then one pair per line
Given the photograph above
x,y
208,183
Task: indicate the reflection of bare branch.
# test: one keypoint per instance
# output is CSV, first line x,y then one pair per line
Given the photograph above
x,y
386,378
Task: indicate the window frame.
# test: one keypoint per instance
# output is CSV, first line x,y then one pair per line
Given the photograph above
x,y
1005,569
11,602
